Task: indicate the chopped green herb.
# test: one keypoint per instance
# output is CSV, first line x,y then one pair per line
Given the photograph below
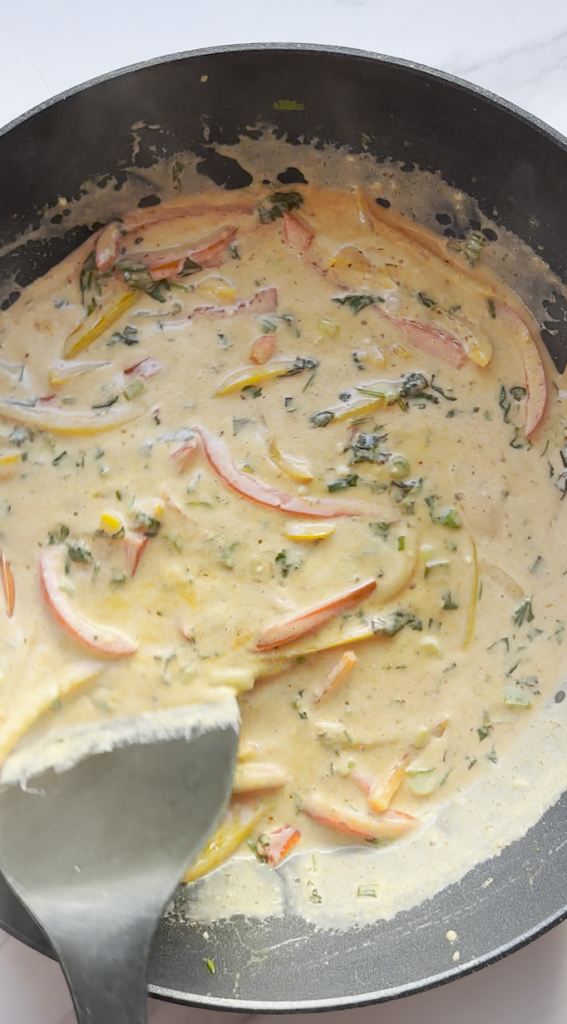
x,y
357,302
58,536
189,267
401,543
504,640
287,564
390,624
288,105
210,965
559,633
435,387
491,309
486,728
78,551
58,458
107,403
250,391
446,517
381,529
300,364
350,480
129,336
518,392
138,277
278,204
504,404
449,603
268,327
491,756
523,613
290,322
233,252
426,300
150,525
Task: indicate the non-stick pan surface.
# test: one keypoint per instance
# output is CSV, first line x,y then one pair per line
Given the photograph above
x,y
516,169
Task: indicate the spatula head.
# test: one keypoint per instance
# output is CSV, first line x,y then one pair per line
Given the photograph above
x,y
98,826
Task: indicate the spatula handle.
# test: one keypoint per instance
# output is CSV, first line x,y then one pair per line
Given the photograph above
x,y
107,973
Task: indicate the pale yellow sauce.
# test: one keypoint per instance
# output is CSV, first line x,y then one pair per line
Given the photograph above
x,y
479,570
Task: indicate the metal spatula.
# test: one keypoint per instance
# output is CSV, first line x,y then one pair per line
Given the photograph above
x,y
97,828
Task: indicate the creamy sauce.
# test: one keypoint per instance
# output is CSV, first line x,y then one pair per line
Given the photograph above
x,y
457,649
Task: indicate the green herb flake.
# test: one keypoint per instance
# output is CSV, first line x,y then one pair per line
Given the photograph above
x,y
426,300
250,391
357,302
351,480
448,517
393,622
58,536
449,602
288,105
523,613
380,529
492,756
107,403
504,404
79,552
278,204
486,728
286,564
58,458
491,308
401,543
210,965
129,336
148,523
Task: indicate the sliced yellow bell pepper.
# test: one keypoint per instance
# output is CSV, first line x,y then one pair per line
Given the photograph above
x,y
308,531
9,464
249,375
91,327
297,469
239,821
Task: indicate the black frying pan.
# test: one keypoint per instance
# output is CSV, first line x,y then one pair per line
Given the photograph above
x,y
509,162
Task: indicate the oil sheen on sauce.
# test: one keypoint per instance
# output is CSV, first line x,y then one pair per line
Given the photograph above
x,y
307,455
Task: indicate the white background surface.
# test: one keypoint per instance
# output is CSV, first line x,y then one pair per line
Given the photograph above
x,y
515,47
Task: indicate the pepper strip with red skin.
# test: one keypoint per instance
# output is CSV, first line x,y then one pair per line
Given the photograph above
x,y
432,340
298,234
134,545
388,825
313,618
104,639
261,493
280,841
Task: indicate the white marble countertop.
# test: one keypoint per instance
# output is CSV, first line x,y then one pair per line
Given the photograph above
x,y
514,47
